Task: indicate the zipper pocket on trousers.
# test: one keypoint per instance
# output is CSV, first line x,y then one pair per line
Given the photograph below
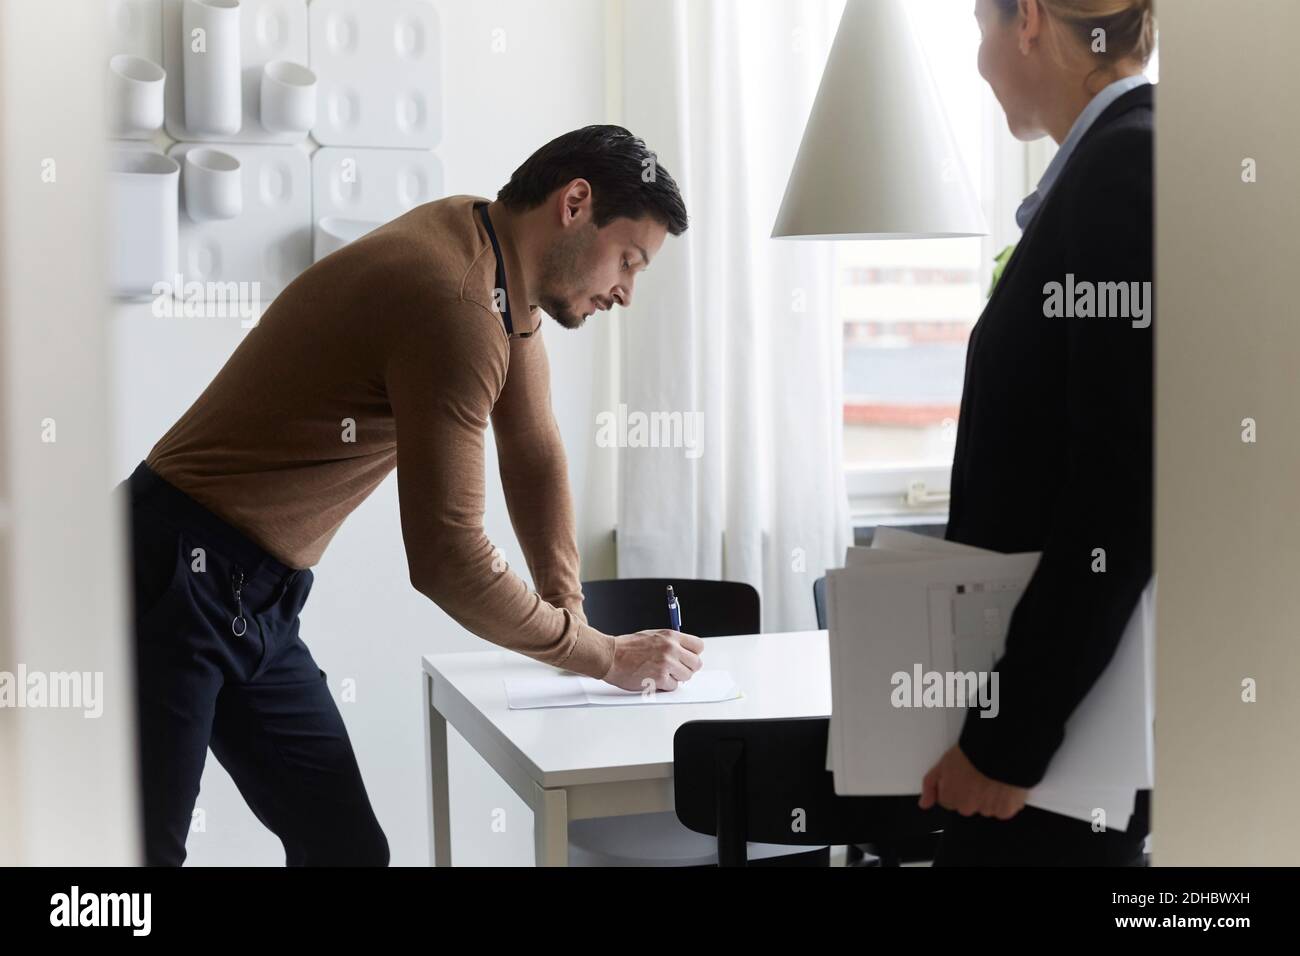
x,y
239,624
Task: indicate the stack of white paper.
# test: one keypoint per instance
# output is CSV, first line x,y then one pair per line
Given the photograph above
x,y
913,605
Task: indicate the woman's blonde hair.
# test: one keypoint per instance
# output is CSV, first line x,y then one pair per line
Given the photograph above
x,y
1129,26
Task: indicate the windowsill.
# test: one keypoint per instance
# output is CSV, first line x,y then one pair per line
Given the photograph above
x,y
879,494
876,519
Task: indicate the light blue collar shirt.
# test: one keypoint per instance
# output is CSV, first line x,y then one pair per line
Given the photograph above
x,y
1109,94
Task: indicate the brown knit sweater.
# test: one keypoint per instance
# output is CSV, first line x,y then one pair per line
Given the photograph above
x,y
390,353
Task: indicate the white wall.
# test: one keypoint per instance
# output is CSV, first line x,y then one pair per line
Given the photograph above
x,y
1227,512
67,783
364,621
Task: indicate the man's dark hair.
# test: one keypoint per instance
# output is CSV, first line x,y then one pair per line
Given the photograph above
x,y
627,180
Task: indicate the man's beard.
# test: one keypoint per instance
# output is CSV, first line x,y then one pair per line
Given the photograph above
x,y
560,271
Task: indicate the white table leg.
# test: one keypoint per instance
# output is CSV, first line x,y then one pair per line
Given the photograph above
x,y
437,776
551,827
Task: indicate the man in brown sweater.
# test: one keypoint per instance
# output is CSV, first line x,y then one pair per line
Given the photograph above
x,y
395,351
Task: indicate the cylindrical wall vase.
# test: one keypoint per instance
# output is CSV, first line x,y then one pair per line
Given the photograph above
x,y
143,209
335,232
288,97
135,95
210,54
212,183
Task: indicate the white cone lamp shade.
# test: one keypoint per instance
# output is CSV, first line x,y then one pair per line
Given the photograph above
x,y
878,160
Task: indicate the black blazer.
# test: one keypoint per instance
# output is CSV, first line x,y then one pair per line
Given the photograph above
x,y
1054,442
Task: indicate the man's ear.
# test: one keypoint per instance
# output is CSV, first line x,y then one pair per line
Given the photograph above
x,y
575,202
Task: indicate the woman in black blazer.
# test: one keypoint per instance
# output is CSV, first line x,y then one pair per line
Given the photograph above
x,y
1054,442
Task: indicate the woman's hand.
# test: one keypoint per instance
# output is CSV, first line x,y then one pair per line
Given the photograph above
x,y
956,785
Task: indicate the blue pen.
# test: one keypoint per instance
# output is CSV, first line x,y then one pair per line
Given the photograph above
x,y
674,611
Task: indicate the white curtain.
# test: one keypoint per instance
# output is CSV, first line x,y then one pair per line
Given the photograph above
x,y
729,328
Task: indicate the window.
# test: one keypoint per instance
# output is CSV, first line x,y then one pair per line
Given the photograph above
x,y
907,306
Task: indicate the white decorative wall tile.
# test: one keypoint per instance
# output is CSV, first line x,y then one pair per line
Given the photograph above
x,y
268,30
379,64
373,185
270,240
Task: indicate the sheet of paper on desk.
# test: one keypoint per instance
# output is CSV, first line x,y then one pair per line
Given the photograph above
x,y
562,690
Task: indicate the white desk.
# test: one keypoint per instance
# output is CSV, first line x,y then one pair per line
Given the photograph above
x,y
575,763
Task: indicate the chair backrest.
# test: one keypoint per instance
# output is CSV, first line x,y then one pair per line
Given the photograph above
x,y
709,608
819,602
766,781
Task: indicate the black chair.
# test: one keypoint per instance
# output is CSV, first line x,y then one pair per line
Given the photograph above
x,y
819,602
753,780
709,608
